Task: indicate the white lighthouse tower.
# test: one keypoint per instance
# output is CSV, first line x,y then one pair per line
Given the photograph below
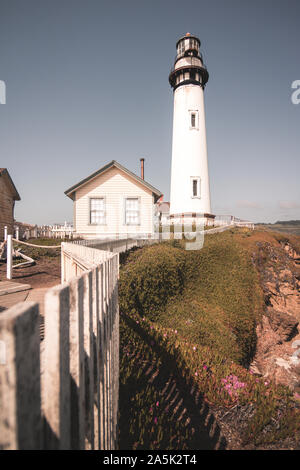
x,y
190,193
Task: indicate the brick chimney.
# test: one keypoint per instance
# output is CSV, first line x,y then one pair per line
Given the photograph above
x,y
142,168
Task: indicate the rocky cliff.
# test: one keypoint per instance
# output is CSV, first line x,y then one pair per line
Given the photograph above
x,y
278,334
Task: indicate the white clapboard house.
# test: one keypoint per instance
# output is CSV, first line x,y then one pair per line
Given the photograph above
x,y
113,202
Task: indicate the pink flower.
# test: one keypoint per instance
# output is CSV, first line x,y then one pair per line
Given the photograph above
x,y
155,420
196,373
157,403
205,367
175,332
194,348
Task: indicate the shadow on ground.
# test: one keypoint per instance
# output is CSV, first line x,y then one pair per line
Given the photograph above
x,y
183,406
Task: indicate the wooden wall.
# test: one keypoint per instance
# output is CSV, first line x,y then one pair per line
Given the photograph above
x,y
113,185
6,207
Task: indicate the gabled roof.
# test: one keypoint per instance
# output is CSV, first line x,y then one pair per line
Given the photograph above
x,y
16,195
70,192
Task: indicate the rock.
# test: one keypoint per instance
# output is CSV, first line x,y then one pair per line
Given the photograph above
x,y
278,333
283,324
254,369
267,337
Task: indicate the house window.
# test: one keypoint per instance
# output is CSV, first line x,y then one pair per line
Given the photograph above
x,y
132,211
193,119
97,211
196,188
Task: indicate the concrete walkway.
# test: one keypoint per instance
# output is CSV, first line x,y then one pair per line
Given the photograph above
x,y
9,287
34,295
37,295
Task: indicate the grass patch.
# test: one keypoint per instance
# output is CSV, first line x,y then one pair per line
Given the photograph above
x,y
40,253
211,295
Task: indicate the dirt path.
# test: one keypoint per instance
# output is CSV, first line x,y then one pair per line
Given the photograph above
x,y
45,273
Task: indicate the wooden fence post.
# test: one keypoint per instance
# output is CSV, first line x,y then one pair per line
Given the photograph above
x,y
56,370
104,354
115,349
107,332
62,264
89,359
110,357
9,248
20,391
77,364
100,349
96,353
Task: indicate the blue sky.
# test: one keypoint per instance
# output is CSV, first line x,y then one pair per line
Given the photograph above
x,y
87,82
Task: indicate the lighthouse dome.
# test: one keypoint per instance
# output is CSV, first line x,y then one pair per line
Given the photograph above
x,y
188,65
188,44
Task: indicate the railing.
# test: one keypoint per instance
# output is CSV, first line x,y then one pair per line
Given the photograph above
x,y
115,245
62,393
49,231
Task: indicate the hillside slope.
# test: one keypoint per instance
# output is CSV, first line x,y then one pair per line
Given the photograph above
x,y
203,310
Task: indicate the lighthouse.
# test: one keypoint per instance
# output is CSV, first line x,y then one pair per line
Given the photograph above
x,y
190,194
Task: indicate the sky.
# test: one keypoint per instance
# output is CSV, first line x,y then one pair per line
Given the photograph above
x,y
87,82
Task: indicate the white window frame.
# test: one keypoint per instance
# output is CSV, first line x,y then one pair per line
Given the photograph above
x,y
198,179
90,210
138,211
196,114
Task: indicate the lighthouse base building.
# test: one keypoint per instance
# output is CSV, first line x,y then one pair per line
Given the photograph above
x,y
190,193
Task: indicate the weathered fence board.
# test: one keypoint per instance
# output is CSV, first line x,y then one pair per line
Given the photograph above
x,y
63,393
89,359
77,364
20,397
56,391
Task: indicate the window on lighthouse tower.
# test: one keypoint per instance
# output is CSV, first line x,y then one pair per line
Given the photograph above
x,y
193,119
196,188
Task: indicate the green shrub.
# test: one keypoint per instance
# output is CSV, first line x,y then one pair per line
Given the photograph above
x,y
150,278
211,295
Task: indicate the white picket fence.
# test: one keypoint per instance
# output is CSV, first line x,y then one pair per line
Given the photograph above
x,y
62,393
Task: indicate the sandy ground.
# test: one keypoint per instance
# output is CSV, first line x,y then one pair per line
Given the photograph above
x,y
45,273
